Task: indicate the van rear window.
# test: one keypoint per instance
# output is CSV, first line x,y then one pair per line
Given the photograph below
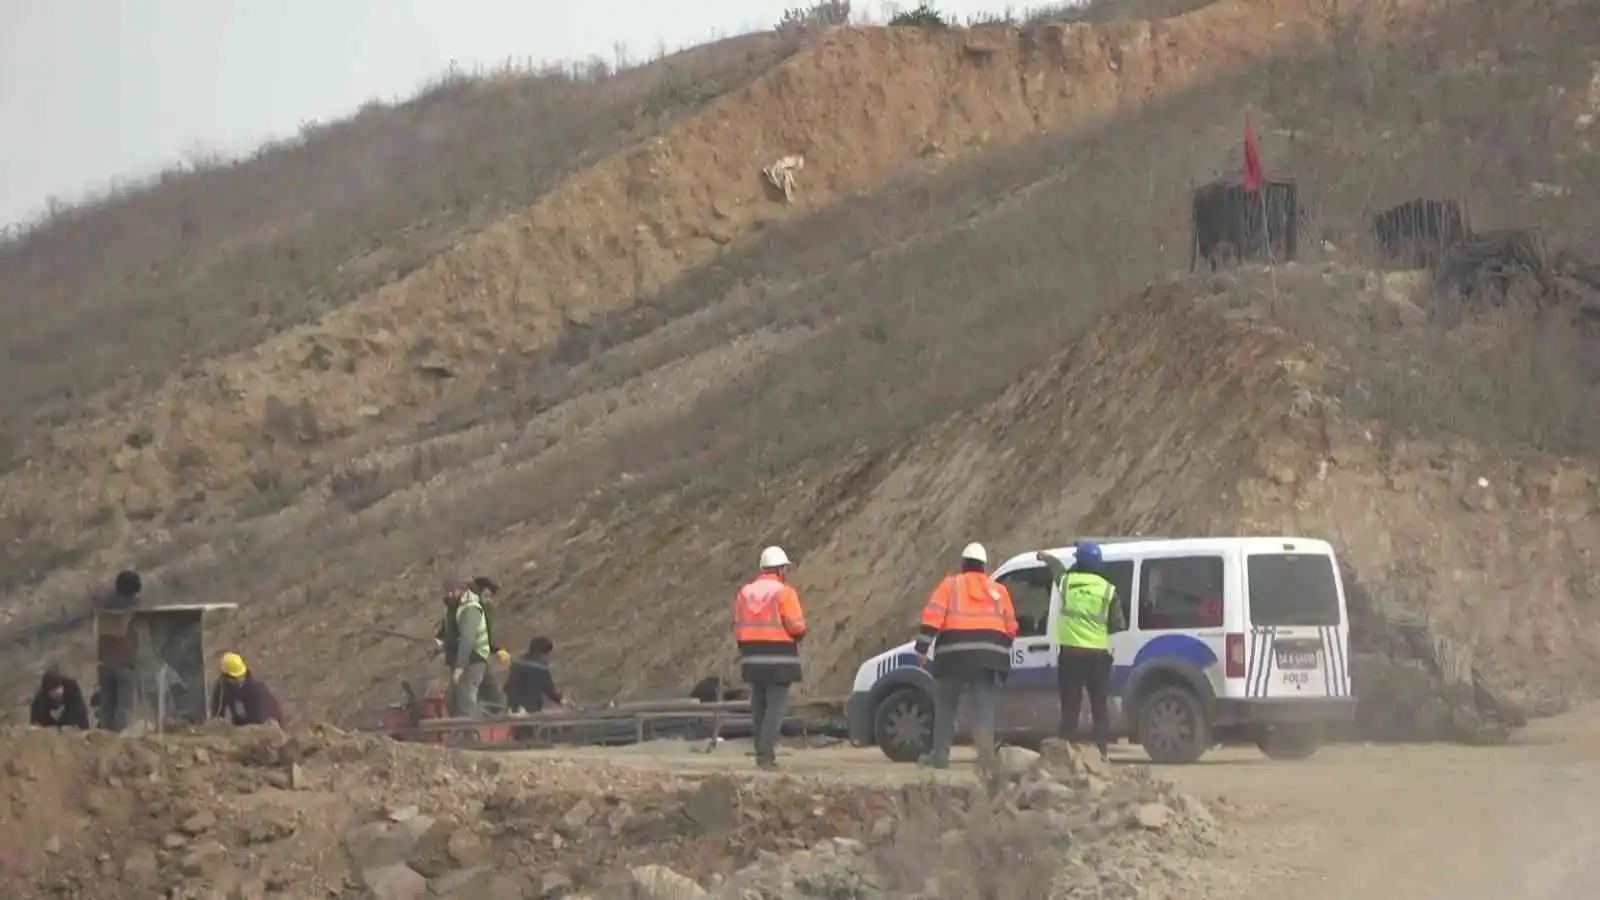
x,y
1292,589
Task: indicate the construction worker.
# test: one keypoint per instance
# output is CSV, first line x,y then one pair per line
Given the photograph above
x,y
241,697
116,651
768,625
530,682
969,622
445,636
59,702
448,638
489,693
1090,614
469,662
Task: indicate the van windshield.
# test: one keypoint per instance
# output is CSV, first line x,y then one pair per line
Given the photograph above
x,y
1292,589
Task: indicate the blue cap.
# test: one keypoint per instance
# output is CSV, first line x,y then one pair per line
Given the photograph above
x,y
1086,553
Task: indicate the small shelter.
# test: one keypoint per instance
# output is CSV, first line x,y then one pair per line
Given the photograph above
x,y
171,667
1418,234
1232,224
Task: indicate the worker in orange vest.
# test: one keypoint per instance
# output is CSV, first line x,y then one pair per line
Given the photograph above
x,y
769,625
969,622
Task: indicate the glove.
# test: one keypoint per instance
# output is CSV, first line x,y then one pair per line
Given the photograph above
x,y
504,656
455,676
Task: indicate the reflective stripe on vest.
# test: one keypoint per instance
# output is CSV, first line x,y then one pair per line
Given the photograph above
x,y
1085,607
758,619
959,618
480,645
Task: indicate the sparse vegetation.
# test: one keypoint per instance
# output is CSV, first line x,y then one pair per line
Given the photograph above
x,y
823,14
212,257
925,15
764,397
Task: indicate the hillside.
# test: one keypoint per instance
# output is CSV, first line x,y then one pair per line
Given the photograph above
x,y
217,259
365,375
611,398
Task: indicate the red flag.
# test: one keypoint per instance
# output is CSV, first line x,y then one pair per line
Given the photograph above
x,y
1252,158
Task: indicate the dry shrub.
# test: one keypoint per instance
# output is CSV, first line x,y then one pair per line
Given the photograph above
x,y
823,14
960,843
363,485
1518,371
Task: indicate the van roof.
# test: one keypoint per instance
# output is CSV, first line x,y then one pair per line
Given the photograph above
x,y
1138,545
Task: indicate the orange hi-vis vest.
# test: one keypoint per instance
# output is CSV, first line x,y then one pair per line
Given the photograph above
x,y
970,622
767,624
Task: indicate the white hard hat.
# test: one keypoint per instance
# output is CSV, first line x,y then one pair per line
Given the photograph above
x,y
975,552
774,557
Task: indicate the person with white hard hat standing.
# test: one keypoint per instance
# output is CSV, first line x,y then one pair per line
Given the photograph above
x,y
969,623
768,625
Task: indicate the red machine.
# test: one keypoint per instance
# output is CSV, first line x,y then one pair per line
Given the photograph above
x,y
403,721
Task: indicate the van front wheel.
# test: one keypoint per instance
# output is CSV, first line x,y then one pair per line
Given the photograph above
x,y
1288,743
1172,726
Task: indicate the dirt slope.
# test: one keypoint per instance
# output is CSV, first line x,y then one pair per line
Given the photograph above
x,y
1205,407
257,813
217,258
829,383
859,104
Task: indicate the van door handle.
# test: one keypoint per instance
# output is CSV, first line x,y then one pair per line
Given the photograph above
x,y
1035,648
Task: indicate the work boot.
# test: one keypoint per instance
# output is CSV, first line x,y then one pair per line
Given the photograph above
x,y
989,771
928,762
983,740
767,763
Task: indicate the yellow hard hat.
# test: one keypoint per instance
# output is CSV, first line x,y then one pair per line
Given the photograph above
x,y
233,665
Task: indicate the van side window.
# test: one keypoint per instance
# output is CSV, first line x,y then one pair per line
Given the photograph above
x,y
1120,574
1180,592
1030,595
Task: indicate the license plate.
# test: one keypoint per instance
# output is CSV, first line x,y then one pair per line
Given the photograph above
x,y
1298,657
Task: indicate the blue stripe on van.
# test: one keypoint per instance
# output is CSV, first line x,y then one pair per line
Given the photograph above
x,y
1177,646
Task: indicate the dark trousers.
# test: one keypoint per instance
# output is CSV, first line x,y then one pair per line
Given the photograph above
x,y
119,695
1079,670
476,690
768,702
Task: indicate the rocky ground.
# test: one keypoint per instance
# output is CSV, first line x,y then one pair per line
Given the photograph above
x,y
257,813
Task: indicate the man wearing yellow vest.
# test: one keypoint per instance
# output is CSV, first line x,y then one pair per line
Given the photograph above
x,y
1090,614
471,658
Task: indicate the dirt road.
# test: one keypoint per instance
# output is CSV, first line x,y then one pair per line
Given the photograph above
x,y
1356,821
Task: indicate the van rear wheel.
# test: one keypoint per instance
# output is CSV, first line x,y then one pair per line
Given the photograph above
x,y
1288,743
1172,726
903,725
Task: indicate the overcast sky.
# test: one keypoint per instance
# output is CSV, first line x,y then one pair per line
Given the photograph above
x,y
93,90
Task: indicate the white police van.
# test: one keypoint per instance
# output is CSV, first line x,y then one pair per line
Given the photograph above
x,y
1229,640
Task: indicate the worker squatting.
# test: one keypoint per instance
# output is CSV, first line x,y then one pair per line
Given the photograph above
x,y
968,623
968,620
241,697
238,696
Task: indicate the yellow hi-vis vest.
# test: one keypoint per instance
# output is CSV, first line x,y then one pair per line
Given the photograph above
x,y
1086,600
480,646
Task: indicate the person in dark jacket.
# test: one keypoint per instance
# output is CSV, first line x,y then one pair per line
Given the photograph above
x,y
117,645
530,682
59,703
968,623
242,698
